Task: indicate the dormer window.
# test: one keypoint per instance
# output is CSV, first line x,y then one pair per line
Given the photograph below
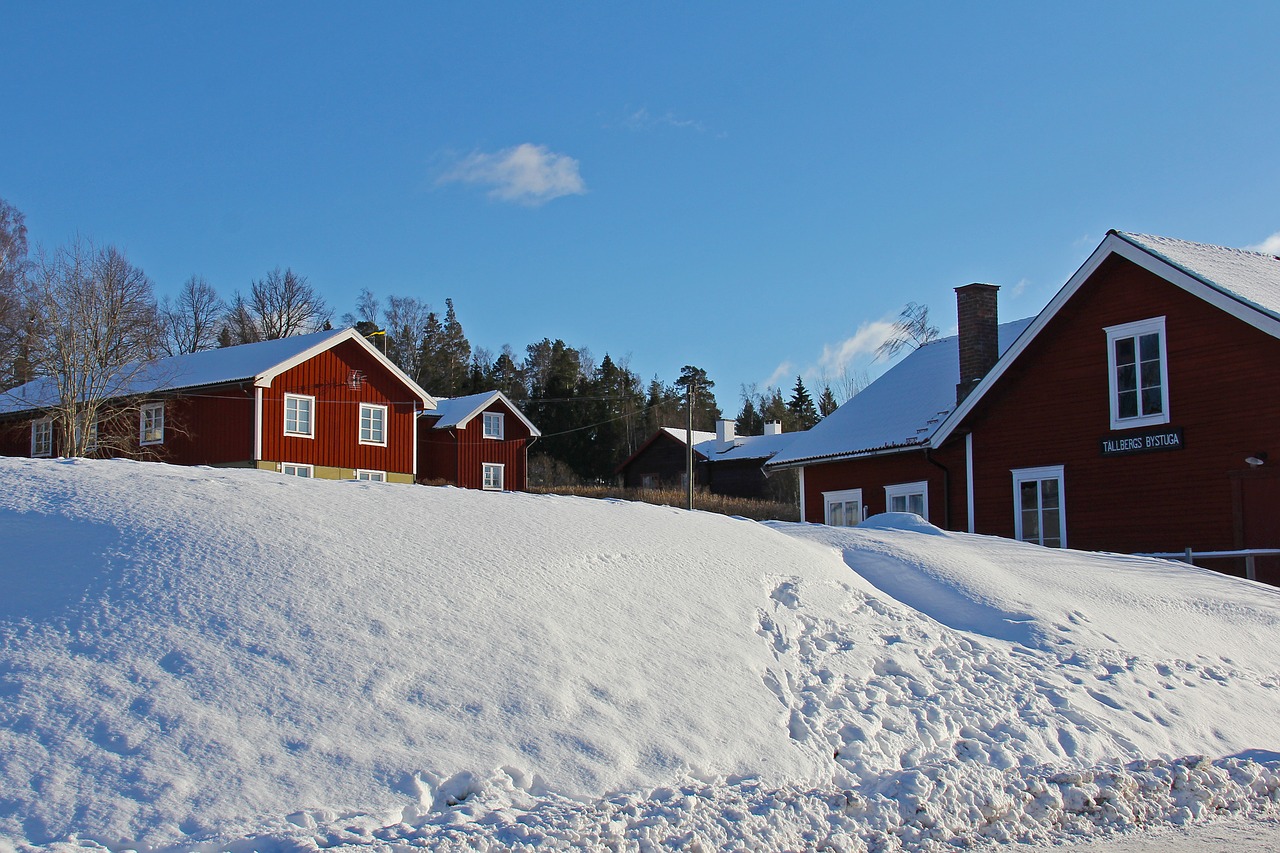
x,y
1139,378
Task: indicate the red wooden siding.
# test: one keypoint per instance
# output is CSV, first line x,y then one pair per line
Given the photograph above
x,y
456,456
212,426
873,473
1051,408
665,458
337,413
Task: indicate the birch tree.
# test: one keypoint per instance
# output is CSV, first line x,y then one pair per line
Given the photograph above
x,y
95,335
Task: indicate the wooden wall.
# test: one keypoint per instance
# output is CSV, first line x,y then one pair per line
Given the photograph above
x,y
1052,408
457,455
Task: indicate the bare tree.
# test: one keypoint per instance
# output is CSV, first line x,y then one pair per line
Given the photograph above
x,y
406,318
191,322
285,304
96,336
911,329
239,325
13,256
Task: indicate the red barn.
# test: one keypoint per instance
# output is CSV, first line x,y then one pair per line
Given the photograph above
x,y
324,405
1135,413
480,441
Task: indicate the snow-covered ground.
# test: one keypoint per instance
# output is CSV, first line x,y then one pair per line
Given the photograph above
x,y
236,660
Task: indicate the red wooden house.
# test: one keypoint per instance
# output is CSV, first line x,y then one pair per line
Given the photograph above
x,y
324,405
480,441
1135,413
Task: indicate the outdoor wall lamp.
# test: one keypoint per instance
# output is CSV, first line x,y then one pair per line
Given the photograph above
x,y
1256,459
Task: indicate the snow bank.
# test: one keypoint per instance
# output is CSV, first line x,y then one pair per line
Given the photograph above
x,y
198,659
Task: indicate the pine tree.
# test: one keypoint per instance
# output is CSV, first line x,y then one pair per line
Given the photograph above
x,y
773,409
827,402
803,413
455,351
749,420
705,411
508,376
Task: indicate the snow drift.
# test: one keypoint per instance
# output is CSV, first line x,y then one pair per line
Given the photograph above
x,y
193,658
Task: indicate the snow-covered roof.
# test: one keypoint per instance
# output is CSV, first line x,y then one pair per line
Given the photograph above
x,y
744,446
1251,277
258,362
1244,284
699,436
458,411
898,411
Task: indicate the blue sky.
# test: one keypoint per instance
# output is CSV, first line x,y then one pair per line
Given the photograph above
x,y
756,189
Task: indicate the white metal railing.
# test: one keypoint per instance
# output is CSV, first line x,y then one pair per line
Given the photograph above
x,y
1189,556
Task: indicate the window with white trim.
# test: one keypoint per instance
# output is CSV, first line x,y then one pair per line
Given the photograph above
x,y
151,424
299,411
1139,369
843,508
908,497
371,476
491,476
292,469
91,438
1039,515
493,425
42,437
373,424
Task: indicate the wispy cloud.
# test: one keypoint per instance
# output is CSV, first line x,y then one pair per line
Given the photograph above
x,y
642,119
783,371
1270,246
526,174
837,358
838,362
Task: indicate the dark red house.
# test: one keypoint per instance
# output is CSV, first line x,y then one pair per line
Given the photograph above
x,y
1135,413
476,442
724,463
324,405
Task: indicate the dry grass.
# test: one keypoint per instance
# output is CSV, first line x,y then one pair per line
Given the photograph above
x,y
760,510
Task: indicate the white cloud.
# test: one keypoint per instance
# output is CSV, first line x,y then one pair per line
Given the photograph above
x,y
781,372
1270,246
836,359
527,174
642,119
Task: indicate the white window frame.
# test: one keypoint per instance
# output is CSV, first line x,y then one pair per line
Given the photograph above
x,y
296,469
382,426
371,476
154,413
42,438
494,425
845,497
1046,472
311,415
91,442
485,481
906,490
1136,330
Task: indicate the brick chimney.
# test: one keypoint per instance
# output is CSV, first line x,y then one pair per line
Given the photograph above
x,y
773,428
979,334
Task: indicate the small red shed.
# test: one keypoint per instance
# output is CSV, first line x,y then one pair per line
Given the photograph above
x,y
480,441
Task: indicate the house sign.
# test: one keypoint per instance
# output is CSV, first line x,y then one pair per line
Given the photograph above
x,y
1149,441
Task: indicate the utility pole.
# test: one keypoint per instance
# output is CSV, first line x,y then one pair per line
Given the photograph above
x,y
688,433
